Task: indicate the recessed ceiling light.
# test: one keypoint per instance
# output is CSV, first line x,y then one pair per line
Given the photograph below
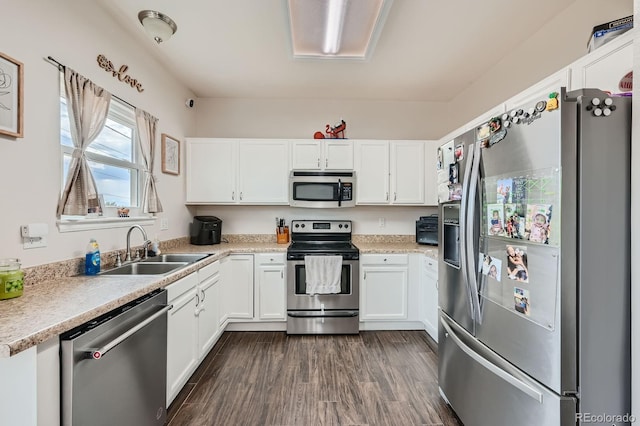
x,y
344,29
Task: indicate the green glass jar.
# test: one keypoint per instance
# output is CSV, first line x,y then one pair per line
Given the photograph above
x,y
11,279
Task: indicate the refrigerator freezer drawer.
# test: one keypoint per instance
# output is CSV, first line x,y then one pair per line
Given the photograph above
x,y
485,390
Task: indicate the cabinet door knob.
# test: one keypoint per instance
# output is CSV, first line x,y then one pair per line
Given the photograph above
x,y
326,162
281,274
233,195
318,162
241,196
386,196
395,196
203,295
197,300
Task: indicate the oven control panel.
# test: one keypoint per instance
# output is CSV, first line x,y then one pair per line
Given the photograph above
x,y
321,226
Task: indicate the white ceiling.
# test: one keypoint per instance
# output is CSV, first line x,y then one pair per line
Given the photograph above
x,y
427,51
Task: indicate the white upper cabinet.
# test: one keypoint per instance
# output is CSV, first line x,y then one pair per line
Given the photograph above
x,y
604,67
496,111
407,172
372,171
211,171
322,154
431,173
232,171
306,154
263,171
390,172
540,91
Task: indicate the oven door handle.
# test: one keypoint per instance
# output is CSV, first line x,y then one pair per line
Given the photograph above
x,y
339,192
325,314
99,353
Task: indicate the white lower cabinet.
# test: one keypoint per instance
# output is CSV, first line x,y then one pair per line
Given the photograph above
x,y
207,310
384,286
182,333
236,291
429,296
18,384
192,324
270,287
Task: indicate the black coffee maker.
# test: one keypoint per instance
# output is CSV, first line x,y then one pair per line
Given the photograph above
x,y
206,230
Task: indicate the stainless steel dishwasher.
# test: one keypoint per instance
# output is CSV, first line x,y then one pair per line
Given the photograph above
x,y
114,368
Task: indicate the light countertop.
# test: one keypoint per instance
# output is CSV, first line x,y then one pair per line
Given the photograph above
x,y
52,307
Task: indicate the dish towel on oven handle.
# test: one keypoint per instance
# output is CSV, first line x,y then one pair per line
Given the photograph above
x,y
323,274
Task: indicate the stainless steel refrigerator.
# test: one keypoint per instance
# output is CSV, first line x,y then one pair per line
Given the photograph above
x,y
534,265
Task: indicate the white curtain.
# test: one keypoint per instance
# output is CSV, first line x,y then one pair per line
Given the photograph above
x,y
146,126
88,106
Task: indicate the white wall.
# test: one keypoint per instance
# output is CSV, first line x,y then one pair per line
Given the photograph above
x,y
557,44
366,219
301,118
75,32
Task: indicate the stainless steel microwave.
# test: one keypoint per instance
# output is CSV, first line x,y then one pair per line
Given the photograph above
x,y
322,189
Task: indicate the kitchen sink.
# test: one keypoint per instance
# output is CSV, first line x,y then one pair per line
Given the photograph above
x,y
176,257
145,268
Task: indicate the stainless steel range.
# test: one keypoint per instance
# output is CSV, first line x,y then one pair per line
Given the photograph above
x,y
322,313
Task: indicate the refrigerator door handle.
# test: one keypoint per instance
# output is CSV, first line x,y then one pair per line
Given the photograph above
x,y
469,232
463,226
514,381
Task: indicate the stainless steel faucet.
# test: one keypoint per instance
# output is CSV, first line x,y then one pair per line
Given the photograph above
x,y
146,242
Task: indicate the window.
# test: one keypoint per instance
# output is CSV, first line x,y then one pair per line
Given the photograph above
x,y
113,157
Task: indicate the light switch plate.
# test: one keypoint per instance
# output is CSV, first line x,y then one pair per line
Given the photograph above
x,y
164,224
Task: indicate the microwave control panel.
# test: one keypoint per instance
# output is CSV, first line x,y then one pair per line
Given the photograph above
x,y
347,191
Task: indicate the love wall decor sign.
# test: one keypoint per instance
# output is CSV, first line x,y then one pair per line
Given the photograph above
x,y
120,73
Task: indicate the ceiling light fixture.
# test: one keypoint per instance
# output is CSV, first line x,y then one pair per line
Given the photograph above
x,y
336,29
157,24
333,29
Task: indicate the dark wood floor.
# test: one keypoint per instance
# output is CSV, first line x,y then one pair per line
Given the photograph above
x,y
269,378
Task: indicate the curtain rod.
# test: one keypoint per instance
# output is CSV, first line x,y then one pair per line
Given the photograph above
x,y
62,66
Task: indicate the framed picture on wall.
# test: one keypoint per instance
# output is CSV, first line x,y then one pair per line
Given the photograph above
x,y
11,94
170,155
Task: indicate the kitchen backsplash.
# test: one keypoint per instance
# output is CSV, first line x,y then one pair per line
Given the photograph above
x,y
66,268
41,273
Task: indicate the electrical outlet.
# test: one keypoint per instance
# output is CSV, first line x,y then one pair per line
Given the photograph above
x,y
381,222
29,243
164,224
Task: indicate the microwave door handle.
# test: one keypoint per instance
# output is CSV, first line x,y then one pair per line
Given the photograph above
x,y
339,192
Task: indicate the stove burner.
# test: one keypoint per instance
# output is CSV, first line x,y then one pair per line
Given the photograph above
x,y
332,237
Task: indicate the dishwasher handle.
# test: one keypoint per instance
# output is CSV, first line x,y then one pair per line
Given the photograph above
x,y
99,353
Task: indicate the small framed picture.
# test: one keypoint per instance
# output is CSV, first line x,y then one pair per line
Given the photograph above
x,y
11,97
170,155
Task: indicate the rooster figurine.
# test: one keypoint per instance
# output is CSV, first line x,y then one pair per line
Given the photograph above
x,y
336,132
